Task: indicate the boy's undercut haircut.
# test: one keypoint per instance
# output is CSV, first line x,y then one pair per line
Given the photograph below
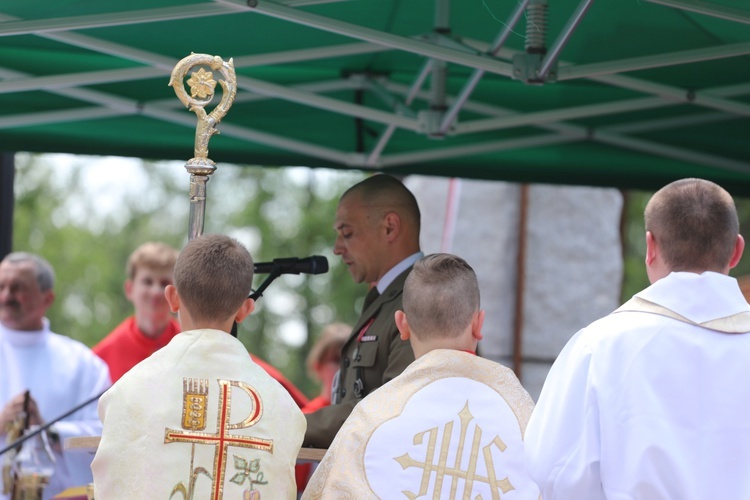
x,y
694,222
388,194
213,276
441,296
45,275
152,255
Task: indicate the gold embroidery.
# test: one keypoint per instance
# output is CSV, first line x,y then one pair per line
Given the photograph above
x,y
194,404
455,473
222,440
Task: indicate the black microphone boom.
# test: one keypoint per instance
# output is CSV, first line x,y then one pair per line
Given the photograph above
x,y
317,264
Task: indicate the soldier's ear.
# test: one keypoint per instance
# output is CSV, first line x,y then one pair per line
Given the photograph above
x,y
392,225
402,325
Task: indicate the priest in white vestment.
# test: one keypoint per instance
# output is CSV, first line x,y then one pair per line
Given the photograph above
x,y
58,372
199,419
451,425
651,402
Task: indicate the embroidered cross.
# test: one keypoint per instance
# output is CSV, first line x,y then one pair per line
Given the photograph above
x,y
223,439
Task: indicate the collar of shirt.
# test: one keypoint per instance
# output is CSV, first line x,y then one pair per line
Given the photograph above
x,y
399,268
25,338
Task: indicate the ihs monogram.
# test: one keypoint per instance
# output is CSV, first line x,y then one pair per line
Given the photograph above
x,y
440,468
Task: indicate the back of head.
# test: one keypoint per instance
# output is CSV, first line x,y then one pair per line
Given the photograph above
x,y
213,276
695,224
152,255
441,295
383,193
45,275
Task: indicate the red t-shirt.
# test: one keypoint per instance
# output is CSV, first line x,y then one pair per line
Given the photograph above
x,y
126,346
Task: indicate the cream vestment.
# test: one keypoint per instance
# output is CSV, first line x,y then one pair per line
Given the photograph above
x,y
450,426
198,419
651,403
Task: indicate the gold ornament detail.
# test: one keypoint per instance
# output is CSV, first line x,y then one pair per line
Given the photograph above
x,y
202,86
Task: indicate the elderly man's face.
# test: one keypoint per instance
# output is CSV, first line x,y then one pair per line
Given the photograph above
x,y
358,240
22,303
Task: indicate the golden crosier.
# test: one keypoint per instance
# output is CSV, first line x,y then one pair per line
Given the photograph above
x,y
202,85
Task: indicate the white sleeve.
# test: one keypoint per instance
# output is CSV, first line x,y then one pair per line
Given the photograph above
x,y
562,440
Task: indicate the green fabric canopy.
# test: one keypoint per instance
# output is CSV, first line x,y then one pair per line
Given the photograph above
x,y
625,93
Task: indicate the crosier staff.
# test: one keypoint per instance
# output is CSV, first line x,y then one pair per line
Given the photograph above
x,y
202,85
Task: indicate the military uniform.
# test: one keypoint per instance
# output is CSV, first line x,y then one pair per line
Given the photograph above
x,y
373,355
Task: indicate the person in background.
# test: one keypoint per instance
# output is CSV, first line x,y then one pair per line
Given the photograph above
x,y
452,424
149,271
377,236
57,372
649,401
199,417
323,362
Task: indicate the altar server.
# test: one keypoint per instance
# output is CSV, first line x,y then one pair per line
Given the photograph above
x,y
198,418
452,424
650,402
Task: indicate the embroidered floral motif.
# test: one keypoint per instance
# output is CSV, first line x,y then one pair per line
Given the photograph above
x,y
246,470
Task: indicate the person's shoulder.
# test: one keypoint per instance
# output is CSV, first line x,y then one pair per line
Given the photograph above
x,y
75,350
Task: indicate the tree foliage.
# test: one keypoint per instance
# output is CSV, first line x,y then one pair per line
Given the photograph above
x,y
274,212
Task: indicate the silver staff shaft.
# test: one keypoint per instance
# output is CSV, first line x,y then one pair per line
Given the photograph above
x,y
197,205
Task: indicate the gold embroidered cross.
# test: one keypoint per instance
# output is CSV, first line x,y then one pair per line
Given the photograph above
x,y
223,439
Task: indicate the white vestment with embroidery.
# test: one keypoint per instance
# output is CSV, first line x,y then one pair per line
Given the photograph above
x,y
198,419
450,426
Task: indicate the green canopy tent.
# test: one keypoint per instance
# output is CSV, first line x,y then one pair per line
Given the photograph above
x,y
626,93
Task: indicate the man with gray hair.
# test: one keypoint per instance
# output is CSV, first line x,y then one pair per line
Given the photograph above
x,y
650,402
452,424
44,374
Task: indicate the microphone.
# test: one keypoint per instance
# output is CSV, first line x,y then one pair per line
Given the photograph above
x,y
317,264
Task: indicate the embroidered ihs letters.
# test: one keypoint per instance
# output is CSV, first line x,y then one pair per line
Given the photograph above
x,y
194,412
438,466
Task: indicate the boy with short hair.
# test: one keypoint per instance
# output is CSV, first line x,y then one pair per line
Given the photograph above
x,y
149,270
199,417
451,425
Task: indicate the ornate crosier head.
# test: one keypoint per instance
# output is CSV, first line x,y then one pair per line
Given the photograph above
x,y
202,85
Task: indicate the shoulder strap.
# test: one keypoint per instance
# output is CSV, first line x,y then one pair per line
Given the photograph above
x,y
737,323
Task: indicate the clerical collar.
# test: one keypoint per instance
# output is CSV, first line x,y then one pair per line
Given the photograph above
x,y
399,268
25,338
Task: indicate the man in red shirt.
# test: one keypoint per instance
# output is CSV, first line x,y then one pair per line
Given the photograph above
x,y
149,271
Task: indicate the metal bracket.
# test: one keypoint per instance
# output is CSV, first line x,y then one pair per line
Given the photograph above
x,y
526,68
430,120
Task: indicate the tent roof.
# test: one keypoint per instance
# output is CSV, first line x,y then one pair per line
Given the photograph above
x,y
632,93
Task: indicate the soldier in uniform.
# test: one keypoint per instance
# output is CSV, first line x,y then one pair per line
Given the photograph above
x,y
377,236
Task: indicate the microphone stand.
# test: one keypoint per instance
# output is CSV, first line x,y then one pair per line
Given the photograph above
x,y
255,295
46,426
